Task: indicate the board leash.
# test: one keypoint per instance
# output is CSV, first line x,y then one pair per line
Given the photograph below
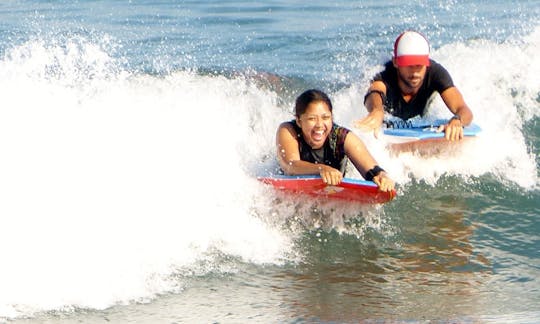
x,y
406,124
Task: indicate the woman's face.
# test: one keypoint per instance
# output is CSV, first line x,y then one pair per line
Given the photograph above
x,y
316,123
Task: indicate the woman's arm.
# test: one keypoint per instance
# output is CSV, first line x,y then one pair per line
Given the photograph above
x,y
364,162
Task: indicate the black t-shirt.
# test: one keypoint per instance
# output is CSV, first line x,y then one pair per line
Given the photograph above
x,y
437,79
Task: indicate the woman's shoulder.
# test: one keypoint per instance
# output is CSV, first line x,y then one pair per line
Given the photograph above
x,y
291,124
289,127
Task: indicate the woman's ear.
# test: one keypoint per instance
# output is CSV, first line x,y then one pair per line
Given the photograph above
x,y
298,121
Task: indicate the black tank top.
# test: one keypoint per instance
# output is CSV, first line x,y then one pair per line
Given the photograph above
x,y
332,153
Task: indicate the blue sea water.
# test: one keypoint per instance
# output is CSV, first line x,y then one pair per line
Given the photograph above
x,y
131,133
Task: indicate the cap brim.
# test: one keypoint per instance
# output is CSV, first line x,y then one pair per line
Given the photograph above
x,y
408,60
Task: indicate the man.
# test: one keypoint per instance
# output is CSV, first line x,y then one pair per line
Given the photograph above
x,y
406,85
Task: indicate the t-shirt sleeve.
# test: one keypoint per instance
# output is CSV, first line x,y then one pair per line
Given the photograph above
x,y
378,77
440,78
384,75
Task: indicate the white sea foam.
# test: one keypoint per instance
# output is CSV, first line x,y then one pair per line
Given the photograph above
x,y
110,184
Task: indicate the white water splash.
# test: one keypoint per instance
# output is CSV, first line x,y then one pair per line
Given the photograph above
x,y
110,186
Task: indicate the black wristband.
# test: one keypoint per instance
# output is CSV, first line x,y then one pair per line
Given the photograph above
x,y
379,92
373,173
458,117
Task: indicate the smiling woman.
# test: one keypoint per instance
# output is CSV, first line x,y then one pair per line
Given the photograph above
x,y
313,144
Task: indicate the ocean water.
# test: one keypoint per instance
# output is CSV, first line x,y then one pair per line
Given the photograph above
x,y
132,132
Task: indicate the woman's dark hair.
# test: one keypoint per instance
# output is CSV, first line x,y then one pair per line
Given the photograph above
x,y
309,96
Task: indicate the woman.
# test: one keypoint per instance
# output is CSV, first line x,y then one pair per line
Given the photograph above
x,y
313,144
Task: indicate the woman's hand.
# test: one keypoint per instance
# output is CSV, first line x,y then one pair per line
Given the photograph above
x,y
384,182
329,175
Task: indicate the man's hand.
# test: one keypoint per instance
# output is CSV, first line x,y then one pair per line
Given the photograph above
x,y
372,122
453,131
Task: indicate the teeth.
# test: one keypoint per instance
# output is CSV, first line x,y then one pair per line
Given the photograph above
x,y
318,135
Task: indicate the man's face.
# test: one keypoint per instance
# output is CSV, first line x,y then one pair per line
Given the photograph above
x,y
412,76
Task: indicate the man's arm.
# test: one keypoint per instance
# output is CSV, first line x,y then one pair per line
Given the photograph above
x,y
455,102
463,115
375,106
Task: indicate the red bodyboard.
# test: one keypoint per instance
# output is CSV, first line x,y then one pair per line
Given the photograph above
x,y
352,190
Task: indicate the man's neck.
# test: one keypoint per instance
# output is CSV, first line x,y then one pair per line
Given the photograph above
x,y
408,93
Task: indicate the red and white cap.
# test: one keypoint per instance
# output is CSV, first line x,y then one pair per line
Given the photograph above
x,y
411,48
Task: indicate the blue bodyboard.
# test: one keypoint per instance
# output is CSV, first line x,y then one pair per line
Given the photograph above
x,y
407,132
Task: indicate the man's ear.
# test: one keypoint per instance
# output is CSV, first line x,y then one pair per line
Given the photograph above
x,y
394,62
